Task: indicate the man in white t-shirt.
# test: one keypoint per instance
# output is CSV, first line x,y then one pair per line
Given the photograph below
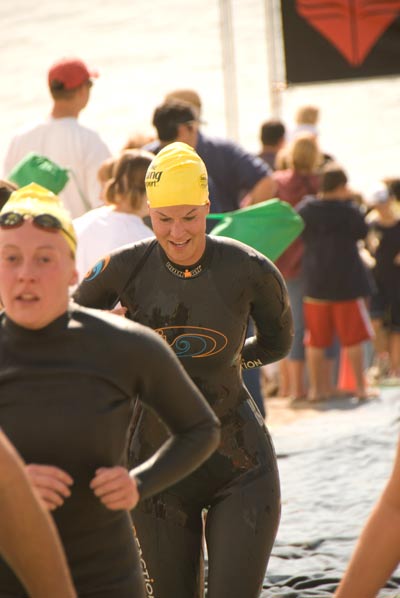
x,y
62,139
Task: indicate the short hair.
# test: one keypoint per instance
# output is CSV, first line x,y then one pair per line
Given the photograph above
x,y
307,115
128,177
169,115
272,132
6,188
58,92
303,154
332,177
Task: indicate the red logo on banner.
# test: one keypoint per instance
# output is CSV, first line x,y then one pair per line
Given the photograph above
x,y
352,26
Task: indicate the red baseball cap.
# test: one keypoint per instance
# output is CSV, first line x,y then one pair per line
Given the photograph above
x,y
70,73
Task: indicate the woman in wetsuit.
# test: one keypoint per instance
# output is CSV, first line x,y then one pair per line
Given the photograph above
x,y
68,377
198,292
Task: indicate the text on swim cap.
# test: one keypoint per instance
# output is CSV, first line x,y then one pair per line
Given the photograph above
x,y
203,181
153,177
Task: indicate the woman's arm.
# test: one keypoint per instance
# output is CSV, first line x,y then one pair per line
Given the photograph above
x,y
272,316
164,387
103,286
167,389
378,549
28,538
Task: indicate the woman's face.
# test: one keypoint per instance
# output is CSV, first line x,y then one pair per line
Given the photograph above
x,y
36,269
181,232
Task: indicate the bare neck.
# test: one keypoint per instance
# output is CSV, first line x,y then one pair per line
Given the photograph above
x,y
270,149
64,109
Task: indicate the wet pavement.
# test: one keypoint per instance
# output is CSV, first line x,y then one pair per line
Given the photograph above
x,y
333,468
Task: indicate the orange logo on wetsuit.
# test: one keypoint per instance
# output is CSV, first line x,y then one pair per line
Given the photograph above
x,y
97,268
193,341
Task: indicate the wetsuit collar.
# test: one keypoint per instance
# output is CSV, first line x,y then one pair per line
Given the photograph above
x,y
191,271
15,329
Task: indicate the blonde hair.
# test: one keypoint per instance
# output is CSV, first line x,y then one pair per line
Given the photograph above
x,y
307,115
128,176
138,139
303,154
105,170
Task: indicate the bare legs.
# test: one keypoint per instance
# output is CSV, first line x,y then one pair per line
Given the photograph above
x,y
356,357
394,352
320,371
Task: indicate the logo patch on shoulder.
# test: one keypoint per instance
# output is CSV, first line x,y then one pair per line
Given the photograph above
x,y
97,268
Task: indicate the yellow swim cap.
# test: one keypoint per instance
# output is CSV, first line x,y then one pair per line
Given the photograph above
x,y
177,176
34,200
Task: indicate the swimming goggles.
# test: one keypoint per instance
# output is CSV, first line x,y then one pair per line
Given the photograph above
x,y
46,222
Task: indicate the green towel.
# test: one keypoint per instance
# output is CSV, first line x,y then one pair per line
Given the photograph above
x,y
270,226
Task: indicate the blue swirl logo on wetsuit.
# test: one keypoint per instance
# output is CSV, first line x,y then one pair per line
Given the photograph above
x,y
193,341
97,269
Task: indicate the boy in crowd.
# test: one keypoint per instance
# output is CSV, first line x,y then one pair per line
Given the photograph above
x,y
336,280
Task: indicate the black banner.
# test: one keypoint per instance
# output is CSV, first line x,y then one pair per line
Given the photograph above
x,y
327,40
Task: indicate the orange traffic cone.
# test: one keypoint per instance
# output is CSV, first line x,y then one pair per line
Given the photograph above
x,y
346,378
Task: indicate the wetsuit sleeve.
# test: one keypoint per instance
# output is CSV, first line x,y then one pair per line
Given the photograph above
x,y
167,389
272,316
103,284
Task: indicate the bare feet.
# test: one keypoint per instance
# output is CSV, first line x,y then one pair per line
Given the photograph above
x,y
300,401
317,398
369,393
340,393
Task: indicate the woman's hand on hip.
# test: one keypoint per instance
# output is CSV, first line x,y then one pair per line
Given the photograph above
x,y
51,483
116,489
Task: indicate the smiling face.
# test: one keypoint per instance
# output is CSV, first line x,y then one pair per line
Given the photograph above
x,y
180,230
36,269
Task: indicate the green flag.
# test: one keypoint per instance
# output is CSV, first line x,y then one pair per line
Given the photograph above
x,y
270,226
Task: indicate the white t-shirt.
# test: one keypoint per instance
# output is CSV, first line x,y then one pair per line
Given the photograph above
x,y
70,145
102,230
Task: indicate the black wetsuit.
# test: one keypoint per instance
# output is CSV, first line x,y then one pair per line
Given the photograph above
x,y
202,312
66,394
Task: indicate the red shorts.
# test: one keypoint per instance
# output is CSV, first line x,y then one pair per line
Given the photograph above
x,y
349,320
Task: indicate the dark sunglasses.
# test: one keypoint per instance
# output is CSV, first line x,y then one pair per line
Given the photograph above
x,y
46,222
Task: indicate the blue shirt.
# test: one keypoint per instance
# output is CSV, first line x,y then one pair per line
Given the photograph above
x,y
233,171
333,268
